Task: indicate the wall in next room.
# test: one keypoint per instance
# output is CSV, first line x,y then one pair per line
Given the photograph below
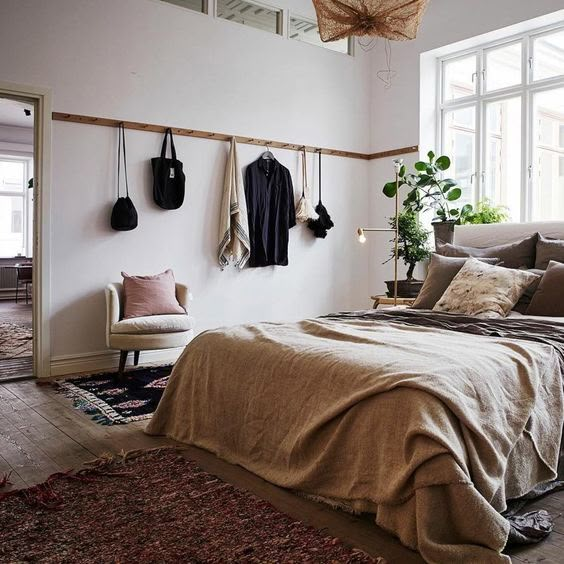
x,y
149,61
16,141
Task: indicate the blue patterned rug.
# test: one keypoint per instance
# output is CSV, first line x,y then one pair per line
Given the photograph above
x,y
113,401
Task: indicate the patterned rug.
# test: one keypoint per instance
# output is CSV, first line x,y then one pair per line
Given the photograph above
x,y
15,341
113,401
155,506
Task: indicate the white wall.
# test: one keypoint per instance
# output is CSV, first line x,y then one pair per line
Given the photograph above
x,y
16,140
144,60
395,115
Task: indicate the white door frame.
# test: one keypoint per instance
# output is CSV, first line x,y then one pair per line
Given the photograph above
x,y
41,99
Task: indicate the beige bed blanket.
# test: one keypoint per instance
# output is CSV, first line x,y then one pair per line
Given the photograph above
x,y
431,430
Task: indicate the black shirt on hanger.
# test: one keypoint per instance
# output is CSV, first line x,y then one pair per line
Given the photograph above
x,y
270,206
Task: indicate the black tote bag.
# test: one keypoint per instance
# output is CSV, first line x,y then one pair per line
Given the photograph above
x,y
168,177
124,214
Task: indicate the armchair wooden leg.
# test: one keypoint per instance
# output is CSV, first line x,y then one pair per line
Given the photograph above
x,y
136,358
122,361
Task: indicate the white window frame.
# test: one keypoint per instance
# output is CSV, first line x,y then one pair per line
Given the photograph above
x,y
526,90
292,14
280,21
26,196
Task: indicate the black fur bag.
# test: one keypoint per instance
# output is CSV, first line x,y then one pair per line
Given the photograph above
x,y
321,225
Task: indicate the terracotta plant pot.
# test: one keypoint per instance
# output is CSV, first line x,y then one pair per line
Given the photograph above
x,y
444,231
406,288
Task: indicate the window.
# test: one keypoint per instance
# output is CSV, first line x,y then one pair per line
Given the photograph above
x,y
196,5
15,207
303,29
251,14
501,111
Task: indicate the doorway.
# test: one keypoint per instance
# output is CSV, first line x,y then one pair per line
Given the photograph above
x,y
16,238
24,174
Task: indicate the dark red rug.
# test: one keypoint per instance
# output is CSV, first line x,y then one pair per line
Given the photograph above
x,y
154,506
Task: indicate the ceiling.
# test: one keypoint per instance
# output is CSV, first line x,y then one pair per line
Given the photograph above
x,y
12,113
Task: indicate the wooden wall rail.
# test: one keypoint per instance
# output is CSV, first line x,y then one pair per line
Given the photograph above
x,y
90,120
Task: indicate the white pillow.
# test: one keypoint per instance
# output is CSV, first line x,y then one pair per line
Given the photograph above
x,y
484,290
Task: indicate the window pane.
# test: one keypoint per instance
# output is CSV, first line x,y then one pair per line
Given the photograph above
x,y
548,56
459,78
196,5
11,226
308,31
460,146
250,14
503,67
11,176
503,155
548,178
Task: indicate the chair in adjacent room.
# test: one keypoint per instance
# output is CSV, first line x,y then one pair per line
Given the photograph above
x,y
150,332
24,277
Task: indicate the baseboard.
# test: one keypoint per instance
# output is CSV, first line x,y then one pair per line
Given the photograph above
x,y
107,360
9,294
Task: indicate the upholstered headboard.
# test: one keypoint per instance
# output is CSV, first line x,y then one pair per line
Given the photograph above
x,y
499,233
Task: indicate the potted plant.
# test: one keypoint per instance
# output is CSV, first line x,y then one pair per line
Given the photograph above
x,y
485,212
412,248
427,190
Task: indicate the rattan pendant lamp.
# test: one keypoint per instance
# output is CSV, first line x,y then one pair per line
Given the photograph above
x,y
397,20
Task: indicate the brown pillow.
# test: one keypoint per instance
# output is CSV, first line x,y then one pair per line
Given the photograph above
x,y
524,301
547,250
484,290
150,295
549,297
441,272
520,254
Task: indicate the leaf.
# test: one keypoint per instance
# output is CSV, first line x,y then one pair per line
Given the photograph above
x,y
454,194
466,209
420,165
402,171
390,189
424,180
431,156
443,163
411,196
447,184
454,212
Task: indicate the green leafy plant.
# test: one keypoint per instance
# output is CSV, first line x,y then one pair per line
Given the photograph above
x,y
486,212
412,240
429,191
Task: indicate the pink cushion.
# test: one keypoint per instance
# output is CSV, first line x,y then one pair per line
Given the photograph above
x,y
150,295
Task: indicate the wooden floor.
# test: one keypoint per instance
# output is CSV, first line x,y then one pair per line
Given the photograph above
x,y
41,433
20,314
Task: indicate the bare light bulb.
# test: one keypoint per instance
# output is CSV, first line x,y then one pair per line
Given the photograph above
x,y
361,235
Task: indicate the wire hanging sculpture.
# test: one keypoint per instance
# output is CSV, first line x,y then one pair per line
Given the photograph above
x,y
388,74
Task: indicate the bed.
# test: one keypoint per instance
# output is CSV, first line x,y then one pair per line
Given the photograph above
x,y
430,421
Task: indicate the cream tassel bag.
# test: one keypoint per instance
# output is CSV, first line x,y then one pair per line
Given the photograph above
x,y
304,209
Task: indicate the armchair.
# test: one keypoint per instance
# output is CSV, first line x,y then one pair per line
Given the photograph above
x,y
145,333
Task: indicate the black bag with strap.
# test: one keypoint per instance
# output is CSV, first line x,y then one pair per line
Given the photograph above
x,y
124,214
168,177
